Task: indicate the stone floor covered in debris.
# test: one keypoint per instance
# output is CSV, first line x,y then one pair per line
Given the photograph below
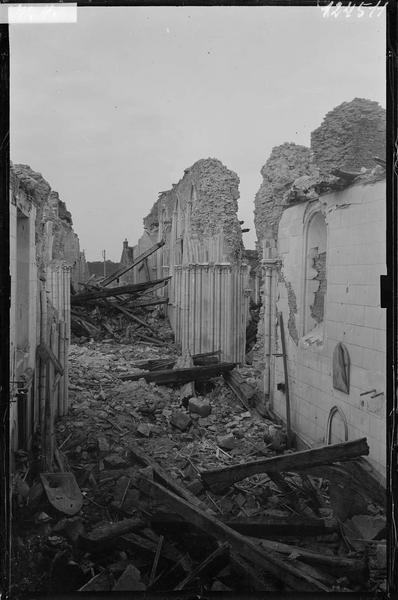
x,y
137,512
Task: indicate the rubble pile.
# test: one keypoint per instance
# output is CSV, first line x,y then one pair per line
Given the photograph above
x,y
130,507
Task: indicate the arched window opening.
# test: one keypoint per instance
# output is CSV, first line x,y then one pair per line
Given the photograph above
x,y
315,276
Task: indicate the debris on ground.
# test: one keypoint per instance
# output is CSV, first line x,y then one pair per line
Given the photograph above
x,y
187,492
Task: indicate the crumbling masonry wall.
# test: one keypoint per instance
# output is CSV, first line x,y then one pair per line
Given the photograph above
x,y
329,292
44,258
208,292
285,164
350,136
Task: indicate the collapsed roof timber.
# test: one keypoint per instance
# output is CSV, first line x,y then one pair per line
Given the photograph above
x,y
234,391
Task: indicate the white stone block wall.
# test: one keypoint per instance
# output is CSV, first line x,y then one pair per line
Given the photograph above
x,y
355,260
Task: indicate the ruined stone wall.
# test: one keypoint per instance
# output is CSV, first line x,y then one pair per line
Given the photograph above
x,y
350,136
285,164
49,209
203,254
44,252
214,191
328,292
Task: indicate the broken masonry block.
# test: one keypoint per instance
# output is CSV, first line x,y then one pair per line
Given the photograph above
x,y
144,430
370,527
129,581
195,486
180,420
103,444
200,406
227,442
114,461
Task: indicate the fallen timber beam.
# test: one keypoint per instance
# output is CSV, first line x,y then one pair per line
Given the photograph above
x,y
262,527
286,571
181,376
115,291
136,262
242,390
103,535
282,526
354,568
295,461
155,364
150,340
215,561
150,302
162,476
130,315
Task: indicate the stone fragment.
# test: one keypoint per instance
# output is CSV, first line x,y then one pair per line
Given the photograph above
x,y
381,555
72,528
103,444
180,420
200,406
369,526
114,461
226,442
203,422
218,586
129,581
196,487
245,415
144,430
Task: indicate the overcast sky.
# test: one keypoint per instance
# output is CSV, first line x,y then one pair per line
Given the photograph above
x,y
113,108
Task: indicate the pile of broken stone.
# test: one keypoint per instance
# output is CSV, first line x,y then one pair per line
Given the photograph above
x,y
142,459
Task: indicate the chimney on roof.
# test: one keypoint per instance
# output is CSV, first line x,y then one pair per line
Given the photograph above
x,y
125,244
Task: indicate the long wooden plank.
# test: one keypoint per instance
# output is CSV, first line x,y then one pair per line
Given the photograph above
x,y
150,302
130,315
135,262
242,390
261,527
115,291
156,364
219,553
181,376
340,565
267,560
164,477
295,461
46,353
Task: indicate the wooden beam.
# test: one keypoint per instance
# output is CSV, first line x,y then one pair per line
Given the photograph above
x,y
295,525
46,354
284,570
130,315
295,461
211,562
261,527
105,533
244,392
163,477
181,376
339,565
149,302
156,364
136,262
115,291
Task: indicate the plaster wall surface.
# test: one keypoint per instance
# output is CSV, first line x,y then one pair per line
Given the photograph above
x,y
356,230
